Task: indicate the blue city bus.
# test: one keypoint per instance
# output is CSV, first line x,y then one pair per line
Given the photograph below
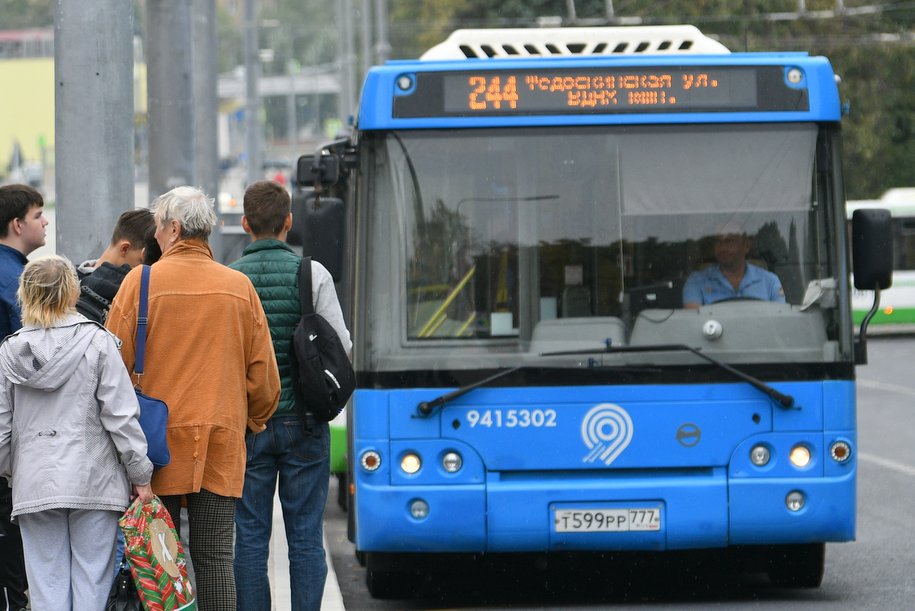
x,y
512,222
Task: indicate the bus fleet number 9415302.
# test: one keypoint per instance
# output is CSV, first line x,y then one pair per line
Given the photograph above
x,y
511,418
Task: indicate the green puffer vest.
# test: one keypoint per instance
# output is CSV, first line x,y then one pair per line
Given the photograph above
x,y
274,271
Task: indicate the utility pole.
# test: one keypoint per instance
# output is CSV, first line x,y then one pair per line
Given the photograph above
x,y
171,91
292,68
345,58
366,36
382,46
93,122
252,96
570,8
205,108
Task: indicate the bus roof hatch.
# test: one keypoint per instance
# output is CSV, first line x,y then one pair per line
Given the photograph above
x,y
523,43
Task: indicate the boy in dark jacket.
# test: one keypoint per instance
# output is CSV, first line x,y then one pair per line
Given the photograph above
x,y
294,447
100,278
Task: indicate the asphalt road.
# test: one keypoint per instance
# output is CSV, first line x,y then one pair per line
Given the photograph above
x,y
875,572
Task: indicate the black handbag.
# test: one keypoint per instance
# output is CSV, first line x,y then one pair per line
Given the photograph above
x,y
123,595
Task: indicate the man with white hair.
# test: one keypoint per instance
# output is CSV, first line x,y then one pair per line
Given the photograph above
x,y
732,276
209,356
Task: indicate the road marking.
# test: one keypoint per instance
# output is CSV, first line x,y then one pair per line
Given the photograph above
x,y
887,464
874,385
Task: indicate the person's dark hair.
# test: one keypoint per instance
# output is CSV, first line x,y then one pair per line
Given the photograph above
x,y
266,206
135,226
15,201
153,251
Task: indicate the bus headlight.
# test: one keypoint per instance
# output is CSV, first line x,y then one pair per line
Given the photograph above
x,y
760,455
840,451
410,463
795,500
452,462
419,509
800,456
370,460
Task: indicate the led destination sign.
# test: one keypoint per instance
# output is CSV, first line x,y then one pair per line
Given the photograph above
x,y
602,90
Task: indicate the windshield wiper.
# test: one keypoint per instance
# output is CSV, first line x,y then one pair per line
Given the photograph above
x,y
785,401
425,408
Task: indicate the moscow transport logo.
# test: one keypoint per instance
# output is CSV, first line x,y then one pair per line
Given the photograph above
x,y
607,431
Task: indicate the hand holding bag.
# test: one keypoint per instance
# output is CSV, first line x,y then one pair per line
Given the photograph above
x,y
156,557
153,412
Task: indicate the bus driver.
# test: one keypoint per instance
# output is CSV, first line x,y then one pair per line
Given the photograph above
x,y
732,276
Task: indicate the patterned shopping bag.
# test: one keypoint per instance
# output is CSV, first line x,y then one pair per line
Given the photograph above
x,y
156,558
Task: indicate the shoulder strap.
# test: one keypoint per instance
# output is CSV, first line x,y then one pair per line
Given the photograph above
x,y
305,302
142,319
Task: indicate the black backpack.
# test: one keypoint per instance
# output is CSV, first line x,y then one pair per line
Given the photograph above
x,y
322,375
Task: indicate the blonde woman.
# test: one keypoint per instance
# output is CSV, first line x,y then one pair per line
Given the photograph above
x,y
70,442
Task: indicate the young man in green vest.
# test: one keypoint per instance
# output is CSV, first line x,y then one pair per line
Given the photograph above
x,y
294,447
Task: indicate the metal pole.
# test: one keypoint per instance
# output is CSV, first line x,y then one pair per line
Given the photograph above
x,y
346,59
382,46
609,11
292,123
93,122
206,109
293,69
252,99
366,37
570,7
171,109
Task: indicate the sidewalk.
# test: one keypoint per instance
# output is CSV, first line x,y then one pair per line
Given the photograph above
x,y
278,569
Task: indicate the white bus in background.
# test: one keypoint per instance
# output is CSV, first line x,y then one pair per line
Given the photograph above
x,y
897,303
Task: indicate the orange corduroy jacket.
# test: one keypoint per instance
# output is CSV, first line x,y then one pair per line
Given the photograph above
x,y
209,357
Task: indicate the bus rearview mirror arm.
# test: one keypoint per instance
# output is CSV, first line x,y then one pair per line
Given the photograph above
x,y
861,343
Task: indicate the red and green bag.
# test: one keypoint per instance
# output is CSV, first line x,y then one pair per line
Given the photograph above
x,y
156,558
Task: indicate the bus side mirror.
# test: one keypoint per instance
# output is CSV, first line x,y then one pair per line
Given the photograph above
x,y
326,171
303,171
318,225
872,249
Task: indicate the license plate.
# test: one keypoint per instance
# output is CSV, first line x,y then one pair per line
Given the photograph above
x,y
607,520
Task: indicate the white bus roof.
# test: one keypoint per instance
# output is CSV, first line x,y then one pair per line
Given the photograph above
x,y
900,195
545,42
900,202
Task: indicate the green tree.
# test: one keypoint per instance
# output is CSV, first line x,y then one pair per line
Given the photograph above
x,y
18,14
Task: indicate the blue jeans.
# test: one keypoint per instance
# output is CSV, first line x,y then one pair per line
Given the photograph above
x,y
296,450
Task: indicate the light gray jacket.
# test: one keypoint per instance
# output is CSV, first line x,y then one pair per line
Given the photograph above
x,y
69,434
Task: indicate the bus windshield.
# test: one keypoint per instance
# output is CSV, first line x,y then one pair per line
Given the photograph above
x,y
509,244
